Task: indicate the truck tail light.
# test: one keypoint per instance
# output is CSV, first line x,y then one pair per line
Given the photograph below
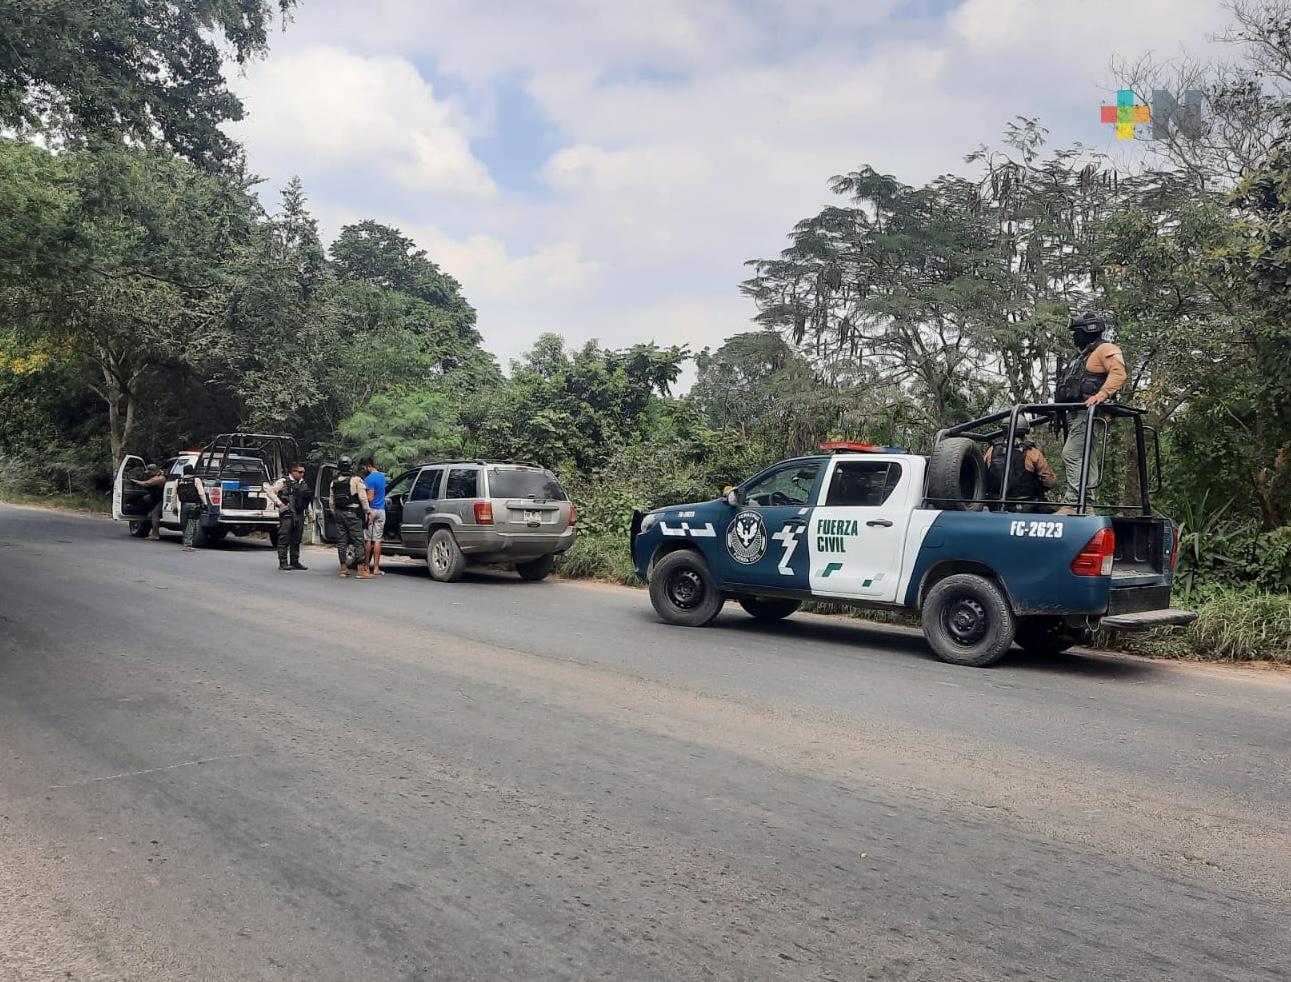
x,y
215,494
483,513
573,514
1096,558
1174,547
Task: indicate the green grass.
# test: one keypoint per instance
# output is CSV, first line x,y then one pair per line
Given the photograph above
x,y
1232,625
598,558
99,503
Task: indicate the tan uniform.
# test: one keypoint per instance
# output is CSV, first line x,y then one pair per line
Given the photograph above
x,y
1107,357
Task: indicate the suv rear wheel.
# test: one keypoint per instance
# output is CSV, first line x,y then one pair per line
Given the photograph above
x,y
682,589
967,620
140,530
536,569
444,558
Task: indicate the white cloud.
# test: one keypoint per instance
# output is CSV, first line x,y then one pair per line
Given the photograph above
x,y
490,274
330,107
686,138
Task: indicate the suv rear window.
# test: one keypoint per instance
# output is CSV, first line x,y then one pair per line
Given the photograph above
x,y
524,484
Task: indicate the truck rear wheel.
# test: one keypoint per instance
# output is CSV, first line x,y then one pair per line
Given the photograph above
x,y
769,609
956,475
967,620
682,589
140,530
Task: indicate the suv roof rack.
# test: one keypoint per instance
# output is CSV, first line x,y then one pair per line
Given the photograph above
x,y
482,461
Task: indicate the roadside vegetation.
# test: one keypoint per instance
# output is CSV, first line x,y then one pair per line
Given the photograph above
x,y
151,294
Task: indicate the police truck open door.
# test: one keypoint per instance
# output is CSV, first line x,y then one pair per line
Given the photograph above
x,y
129,501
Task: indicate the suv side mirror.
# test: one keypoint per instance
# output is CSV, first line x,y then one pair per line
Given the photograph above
x,y
734,497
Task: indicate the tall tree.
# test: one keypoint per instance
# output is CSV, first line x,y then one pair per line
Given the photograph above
x,y
120,257
143,71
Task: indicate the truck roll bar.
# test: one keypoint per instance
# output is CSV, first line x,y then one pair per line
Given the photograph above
x,y
1049,411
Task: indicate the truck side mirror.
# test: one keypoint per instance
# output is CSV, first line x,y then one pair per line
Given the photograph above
x,y
734,497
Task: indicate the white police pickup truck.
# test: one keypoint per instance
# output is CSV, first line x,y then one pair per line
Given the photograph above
x,y
235,467
882,528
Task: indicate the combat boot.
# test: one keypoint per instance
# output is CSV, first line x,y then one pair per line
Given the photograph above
x,y
362,573
345,570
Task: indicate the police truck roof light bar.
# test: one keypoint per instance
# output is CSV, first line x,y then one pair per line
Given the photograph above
x,y
850,446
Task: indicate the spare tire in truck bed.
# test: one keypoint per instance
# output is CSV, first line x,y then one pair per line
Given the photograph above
x,y
956,475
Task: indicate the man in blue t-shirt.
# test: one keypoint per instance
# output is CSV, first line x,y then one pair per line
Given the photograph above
x,y
375,482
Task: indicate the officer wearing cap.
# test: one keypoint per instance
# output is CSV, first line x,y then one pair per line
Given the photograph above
x,y
291,496
1093,377
348,499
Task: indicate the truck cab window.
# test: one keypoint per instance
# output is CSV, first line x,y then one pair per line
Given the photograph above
x,y
862,483
784,486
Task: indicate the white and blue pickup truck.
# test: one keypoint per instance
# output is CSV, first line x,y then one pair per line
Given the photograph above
x,y
883,528
235,467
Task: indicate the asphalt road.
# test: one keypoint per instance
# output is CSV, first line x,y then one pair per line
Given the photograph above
x,y
213,770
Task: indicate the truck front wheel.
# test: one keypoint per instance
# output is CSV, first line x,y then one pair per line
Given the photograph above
x,y
682,589
967,620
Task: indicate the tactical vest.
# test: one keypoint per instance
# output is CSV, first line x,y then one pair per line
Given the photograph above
x,y
295,495
1023,483
1077,383
187,491
346,499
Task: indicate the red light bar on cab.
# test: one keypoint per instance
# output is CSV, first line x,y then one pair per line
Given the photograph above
x,y
851,445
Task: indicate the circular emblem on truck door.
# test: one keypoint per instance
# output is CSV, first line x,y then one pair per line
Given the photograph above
x,y
746,538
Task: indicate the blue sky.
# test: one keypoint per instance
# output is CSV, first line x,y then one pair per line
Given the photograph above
x,y
603,169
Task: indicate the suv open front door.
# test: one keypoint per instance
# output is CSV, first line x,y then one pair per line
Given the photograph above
x,y
129,501
324,520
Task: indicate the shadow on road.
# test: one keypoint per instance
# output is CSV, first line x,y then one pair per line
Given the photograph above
x,y
853,634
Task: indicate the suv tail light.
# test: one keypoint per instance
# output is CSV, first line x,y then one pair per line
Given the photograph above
x,y
215,494
573,514
1174,547
483,513
1096,558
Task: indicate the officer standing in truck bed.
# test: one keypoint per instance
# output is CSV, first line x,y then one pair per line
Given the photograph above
x,y
1093,377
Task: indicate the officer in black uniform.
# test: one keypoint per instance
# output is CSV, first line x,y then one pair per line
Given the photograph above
x,y
291,496
1030,475
192,502
349,502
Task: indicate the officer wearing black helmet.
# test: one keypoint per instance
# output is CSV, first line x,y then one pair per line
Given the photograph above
x,y
193,501
1030,475
348,499
1093,377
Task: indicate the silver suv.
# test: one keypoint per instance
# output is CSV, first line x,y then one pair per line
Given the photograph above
x,y
451,512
